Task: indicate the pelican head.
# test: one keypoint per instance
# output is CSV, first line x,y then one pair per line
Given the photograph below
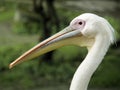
x,y
82,31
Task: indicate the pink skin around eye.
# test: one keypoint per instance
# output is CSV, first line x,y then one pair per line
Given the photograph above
x,y
77,24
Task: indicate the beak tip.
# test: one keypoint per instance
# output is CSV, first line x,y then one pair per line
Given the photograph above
x,y
10,66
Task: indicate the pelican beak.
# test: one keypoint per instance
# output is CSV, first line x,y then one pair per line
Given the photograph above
x,y
62,38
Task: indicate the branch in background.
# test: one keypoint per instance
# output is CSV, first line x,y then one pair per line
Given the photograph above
x,y
46,10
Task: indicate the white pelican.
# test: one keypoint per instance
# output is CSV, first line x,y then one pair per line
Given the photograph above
x,y
88,30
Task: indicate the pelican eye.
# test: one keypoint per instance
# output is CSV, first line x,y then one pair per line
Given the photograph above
x,y
80,23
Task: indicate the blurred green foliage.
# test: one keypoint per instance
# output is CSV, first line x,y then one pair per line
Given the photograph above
x,y
25,29
4,16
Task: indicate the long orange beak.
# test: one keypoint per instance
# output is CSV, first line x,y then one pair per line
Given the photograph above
x,y
60,39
